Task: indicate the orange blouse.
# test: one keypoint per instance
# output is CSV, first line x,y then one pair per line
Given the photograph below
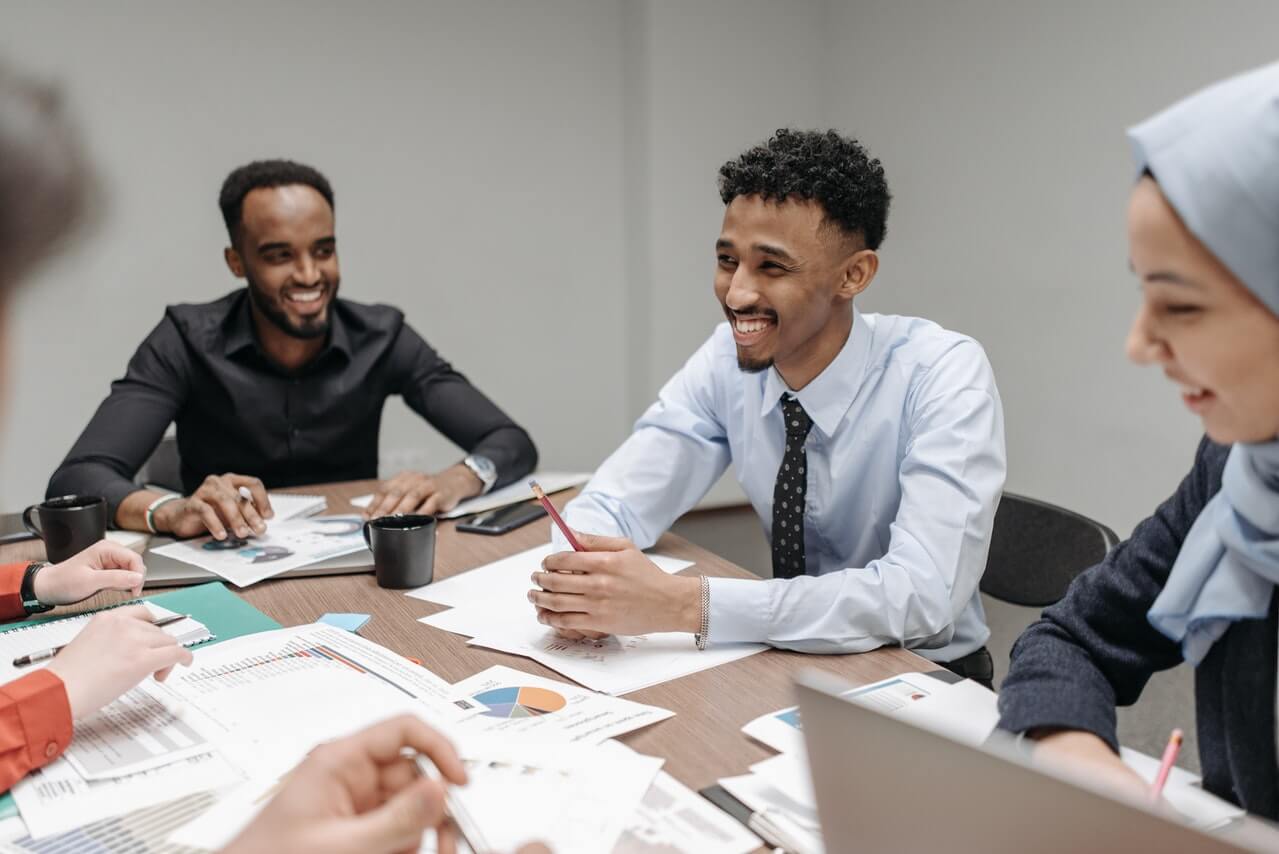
x,y
35,715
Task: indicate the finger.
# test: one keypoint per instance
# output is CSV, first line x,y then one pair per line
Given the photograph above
x,y
227,505
386,506
140,613
257,494
584,562
109,555
397,774
559,602
563,582
117,579
534,848
596,543
397,824
446,838
571,620
250,513
385,741
212,522
436,504
161,659
412,500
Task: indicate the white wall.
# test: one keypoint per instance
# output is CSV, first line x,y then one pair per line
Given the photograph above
x,y
521,176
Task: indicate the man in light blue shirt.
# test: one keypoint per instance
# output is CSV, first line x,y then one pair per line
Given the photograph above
x,y
872,446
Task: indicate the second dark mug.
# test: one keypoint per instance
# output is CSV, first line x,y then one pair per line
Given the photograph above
x,y
403,549
68,525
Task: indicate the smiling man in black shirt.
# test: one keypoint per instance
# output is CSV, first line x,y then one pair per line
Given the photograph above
x,y
281,384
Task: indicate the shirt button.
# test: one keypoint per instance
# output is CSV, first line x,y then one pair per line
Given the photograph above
x,y
51,750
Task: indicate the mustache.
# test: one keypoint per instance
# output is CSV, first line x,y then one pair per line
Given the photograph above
x,y
766,313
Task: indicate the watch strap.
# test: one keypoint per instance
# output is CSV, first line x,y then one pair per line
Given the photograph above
x,y
30,602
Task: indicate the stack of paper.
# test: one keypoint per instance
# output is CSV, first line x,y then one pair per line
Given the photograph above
x,y
490,604
287,505
780,793
674,818
287,544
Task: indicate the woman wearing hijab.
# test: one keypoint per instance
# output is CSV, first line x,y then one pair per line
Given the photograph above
x,y
1196,580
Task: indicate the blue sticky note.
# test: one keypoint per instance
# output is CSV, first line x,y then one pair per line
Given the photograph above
x,y
350,622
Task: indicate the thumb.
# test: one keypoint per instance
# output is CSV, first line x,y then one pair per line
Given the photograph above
x,y
115,556
117,579
597,543
396,825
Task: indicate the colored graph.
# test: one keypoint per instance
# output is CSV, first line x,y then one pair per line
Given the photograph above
x,y
520,702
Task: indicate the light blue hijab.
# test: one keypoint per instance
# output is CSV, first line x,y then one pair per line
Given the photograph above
x,y
1216,158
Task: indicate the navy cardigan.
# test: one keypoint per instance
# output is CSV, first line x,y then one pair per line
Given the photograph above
x,y
1095,649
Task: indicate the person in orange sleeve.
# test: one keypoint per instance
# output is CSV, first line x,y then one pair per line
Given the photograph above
x,y
42,193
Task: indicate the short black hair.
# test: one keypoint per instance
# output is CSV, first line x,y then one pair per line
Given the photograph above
x,y
821,165
265,173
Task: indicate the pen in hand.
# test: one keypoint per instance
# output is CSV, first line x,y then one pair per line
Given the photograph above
x,y
1165,765
46,654
555,516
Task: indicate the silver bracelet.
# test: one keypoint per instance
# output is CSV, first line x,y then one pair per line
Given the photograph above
x,y
704,631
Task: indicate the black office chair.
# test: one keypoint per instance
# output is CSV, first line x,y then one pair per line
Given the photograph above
x,y
163,468
1037,549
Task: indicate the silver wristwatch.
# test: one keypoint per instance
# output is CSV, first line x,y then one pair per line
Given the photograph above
x,y
483,468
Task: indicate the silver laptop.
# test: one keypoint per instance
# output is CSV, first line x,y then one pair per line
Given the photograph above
x,y
886,786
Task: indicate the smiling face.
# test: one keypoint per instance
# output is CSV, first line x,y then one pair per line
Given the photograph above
x,y
1197,321
287,253
786,279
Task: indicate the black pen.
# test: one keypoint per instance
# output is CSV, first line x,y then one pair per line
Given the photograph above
x,y
45,654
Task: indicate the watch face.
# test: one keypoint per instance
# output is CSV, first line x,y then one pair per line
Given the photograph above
x,y
483,467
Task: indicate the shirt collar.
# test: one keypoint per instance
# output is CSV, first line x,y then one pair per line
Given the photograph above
x,y
240,335
828,397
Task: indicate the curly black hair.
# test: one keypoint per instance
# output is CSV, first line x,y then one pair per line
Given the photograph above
x,y
265,173
834,170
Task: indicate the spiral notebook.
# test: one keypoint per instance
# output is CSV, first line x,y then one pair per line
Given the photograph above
x,y
24,640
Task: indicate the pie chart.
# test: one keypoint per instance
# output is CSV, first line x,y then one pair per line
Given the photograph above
x,y
520,702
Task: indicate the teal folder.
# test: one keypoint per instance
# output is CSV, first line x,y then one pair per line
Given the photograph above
x,y
225,614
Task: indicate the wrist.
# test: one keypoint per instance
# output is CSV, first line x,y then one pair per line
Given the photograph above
x,y
163,513
688,603
467,482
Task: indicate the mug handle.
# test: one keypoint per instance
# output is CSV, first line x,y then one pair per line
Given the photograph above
x,y
30,525
367,542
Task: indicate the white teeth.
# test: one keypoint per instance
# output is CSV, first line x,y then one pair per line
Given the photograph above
x,y
305,296
747,325
1192,391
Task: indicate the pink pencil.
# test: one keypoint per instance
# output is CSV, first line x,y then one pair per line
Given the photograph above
x,y
555,516
1165,765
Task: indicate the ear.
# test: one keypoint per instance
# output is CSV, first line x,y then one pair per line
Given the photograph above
x,y
234,262
858,270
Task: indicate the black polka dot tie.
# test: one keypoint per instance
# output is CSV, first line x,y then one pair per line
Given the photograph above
x,y
788,494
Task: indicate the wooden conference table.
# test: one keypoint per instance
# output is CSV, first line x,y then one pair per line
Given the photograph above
x,y
702,743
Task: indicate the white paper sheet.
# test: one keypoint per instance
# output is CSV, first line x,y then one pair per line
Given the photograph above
x,y
144,729
674,818
287,544
575,799
287,505
277,694
521,704
781,730
963,711
1183,792
56,798
615,664
514,493
507,580
794,816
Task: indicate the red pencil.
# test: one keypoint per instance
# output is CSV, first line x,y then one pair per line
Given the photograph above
x,y
555,516
1165,766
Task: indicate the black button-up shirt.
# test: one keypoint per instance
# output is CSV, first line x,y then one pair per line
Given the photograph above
x,y
237,411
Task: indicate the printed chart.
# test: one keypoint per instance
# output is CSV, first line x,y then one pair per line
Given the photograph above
x,y
521,702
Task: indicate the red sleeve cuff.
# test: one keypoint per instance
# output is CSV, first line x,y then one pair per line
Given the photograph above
x,y
11,591
45,712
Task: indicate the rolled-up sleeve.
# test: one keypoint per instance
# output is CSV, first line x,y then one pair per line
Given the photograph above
x,y
951,475
130,423
35,725
451,404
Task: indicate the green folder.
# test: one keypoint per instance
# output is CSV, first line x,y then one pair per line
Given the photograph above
x,y
225,614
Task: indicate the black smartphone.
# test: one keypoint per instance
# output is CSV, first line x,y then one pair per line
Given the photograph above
x,y
503,519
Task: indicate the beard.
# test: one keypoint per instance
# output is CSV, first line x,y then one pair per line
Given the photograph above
x,y
311,327
752,366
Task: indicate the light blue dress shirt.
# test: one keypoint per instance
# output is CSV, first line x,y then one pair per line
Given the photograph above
x,y
906,464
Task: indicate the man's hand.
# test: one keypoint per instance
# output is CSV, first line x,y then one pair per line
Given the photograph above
x,y
102,566
218,507
415,492
362,794
115,651
613,588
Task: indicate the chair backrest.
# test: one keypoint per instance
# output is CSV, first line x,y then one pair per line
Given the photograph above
x,y
163,468
1037,549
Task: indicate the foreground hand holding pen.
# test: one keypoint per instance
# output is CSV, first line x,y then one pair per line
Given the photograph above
x,y
363,794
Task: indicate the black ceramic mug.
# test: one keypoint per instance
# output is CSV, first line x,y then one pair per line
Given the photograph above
x,y
68,525
403,549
